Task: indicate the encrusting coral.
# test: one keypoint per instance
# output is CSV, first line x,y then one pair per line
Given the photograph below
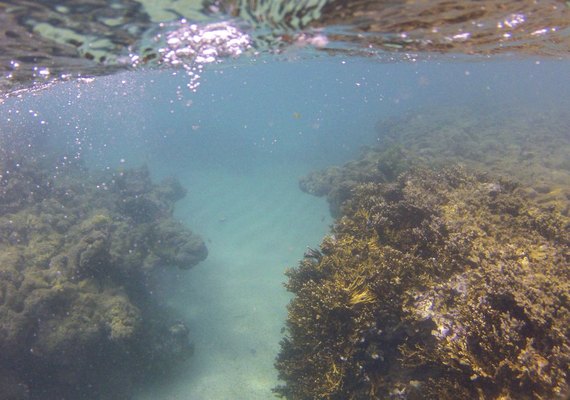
x,y
435,283
77,256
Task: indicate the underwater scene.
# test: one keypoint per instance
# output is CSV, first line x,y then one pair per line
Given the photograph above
x,y
259,199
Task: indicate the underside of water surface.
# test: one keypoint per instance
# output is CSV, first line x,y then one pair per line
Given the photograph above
x,y
311,200
44,41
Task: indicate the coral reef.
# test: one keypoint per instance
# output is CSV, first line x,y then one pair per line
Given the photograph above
x,y
374,165
435,283
78,255
527,144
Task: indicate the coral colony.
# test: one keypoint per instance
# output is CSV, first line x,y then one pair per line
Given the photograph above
x,y
434,283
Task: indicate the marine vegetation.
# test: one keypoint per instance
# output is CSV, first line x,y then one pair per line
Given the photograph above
x,y
528,144
434,283
78,257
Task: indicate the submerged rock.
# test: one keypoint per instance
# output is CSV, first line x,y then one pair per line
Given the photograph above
x,y
439,284
78,253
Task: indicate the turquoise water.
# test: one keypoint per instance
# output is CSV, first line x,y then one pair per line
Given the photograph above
x,y
317,112
239,144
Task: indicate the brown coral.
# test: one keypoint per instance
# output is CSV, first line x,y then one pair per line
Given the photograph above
x,y
438,285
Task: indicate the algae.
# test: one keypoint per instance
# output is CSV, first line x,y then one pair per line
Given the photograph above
x,y
528,145
78,255
438,284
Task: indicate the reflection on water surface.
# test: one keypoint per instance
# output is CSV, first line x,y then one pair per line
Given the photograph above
x,y
45,41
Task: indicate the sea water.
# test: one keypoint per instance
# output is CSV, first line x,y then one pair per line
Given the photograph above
x,y
239,144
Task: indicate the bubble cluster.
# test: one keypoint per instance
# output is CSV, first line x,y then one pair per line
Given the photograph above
x,y
192,46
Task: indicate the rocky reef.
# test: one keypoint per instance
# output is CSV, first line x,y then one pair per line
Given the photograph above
x,y
79,252
523,143
436,282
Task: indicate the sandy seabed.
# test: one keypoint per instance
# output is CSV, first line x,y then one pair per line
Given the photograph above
x,y
256,224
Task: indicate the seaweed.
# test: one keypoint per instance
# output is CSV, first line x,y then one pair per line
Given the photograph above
x,y
79,252
526,144
439,283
